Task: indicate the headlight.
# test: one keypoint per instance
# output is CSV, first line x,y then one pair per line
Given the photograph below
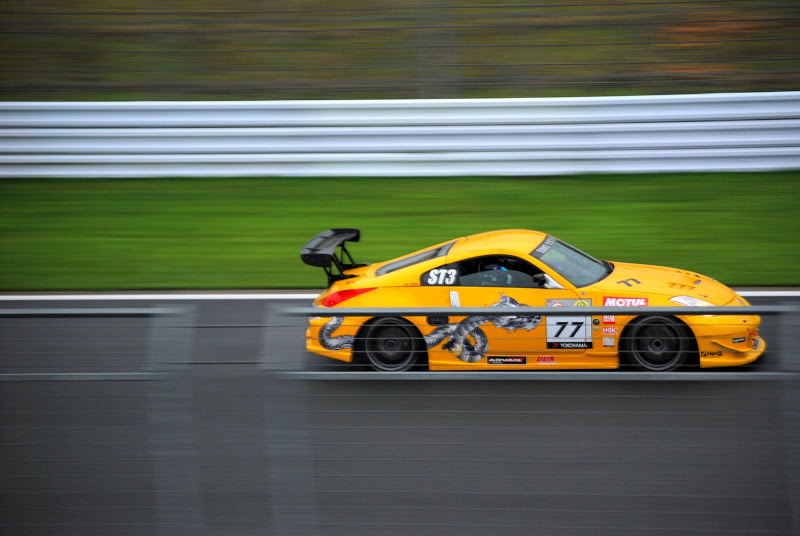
x,y
690,302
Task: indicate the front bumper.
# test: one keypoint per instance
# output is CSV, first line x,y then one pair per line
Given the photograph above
x,y
731,357
727,341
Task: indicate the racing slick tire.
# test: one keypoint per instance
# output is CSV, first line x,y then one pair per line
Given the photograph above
x,y
392,345
657,344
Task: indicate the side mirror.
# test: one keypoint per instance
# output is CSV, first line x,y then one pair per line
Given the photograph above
x,y
539,280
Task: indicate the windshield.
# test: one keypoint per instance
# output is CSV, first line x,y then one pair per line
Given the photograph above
x,y
572,264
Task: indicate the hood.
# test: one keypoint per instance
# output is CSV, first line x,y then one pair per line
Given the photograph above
x,y
664,281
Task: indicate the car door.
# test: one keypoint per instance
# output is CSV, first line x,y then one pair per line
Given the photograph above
x,y
516,341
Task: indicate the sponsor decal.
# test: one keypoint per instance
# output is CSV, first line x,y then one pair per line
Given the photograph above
x,y
755,344
609,319
737,340
546,359
609,331
569,332
568,345
507,360
629,282
624,302
711,354
608,341
544,247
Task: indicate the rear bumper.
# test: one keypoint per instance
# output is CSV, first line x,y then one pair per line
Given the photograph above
x,y
313,343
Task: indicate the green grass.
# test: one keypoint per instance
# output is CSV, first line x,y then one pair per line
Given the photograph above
x,y
741,228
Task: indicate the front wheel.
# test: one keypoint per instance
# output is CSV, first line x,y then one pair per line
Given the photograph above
x,y
657,344
392,345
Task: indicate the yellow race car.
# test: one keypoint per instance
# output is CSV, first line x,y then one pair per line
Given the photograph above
x,y
513,268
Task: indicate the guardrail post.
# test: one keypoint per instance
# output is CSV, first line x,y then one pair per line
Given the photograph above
x,y
170,420
267,336
789,327
291,458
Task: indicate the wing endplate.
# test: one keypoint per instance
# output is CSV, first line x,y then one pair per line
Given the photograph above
x,y
327,250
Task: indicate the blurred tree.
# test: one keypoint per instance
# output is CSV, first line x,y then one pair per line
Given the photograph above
x,y
304,49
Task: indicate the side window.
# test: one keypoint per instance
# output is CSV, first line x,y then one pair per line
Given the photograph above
x,y
446,275
498,271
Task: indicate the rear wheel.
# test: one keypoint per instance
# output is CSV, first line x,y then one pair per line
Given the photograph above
x,y
392,345
657,344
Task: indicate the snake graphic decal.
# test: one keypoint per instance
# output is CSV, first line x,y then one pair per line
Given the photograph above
x,y
464,339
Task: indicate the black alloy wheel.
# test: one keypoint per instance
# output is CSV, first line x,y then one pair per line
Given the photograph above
x,y
657,344
392,345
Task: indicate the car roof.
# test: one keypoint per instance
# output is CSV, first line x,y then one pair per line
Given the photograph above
x,y
513,241
519,242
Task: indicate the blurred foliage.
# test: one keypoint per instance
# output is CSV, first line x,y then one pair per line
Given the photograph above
x,y
740,228
315,49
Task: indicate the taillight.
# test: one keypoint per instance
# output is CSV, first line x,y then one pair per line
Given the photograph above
x,y
338,297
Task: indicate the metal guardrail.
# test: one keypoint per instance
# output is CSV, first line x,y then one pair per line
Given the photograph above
x,y
544,311
733,131
107,312
88,356
789,363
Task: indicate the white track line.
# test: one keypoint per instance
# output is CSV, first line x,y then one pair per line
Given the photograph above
x,y
770,293
196,296
166,296
265,296
548,375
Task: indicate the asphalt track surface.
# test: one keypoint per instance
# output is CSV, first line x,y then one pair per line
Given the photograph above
x,y
216,422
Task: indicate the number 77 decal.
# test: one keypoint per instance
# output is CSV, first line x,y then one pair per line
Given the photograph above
x,y
569,332
578,325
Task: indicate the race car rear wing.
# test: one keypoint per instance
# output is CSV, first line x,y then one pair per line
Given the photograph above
x,y
321,251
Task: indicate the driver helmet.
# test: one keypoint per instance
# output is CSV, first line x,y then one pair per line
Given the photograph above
x,y
494,274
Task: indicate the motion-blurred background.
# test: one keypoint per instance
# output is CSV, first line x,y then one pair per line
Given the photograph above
x,y
244,233
204,415
313,49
